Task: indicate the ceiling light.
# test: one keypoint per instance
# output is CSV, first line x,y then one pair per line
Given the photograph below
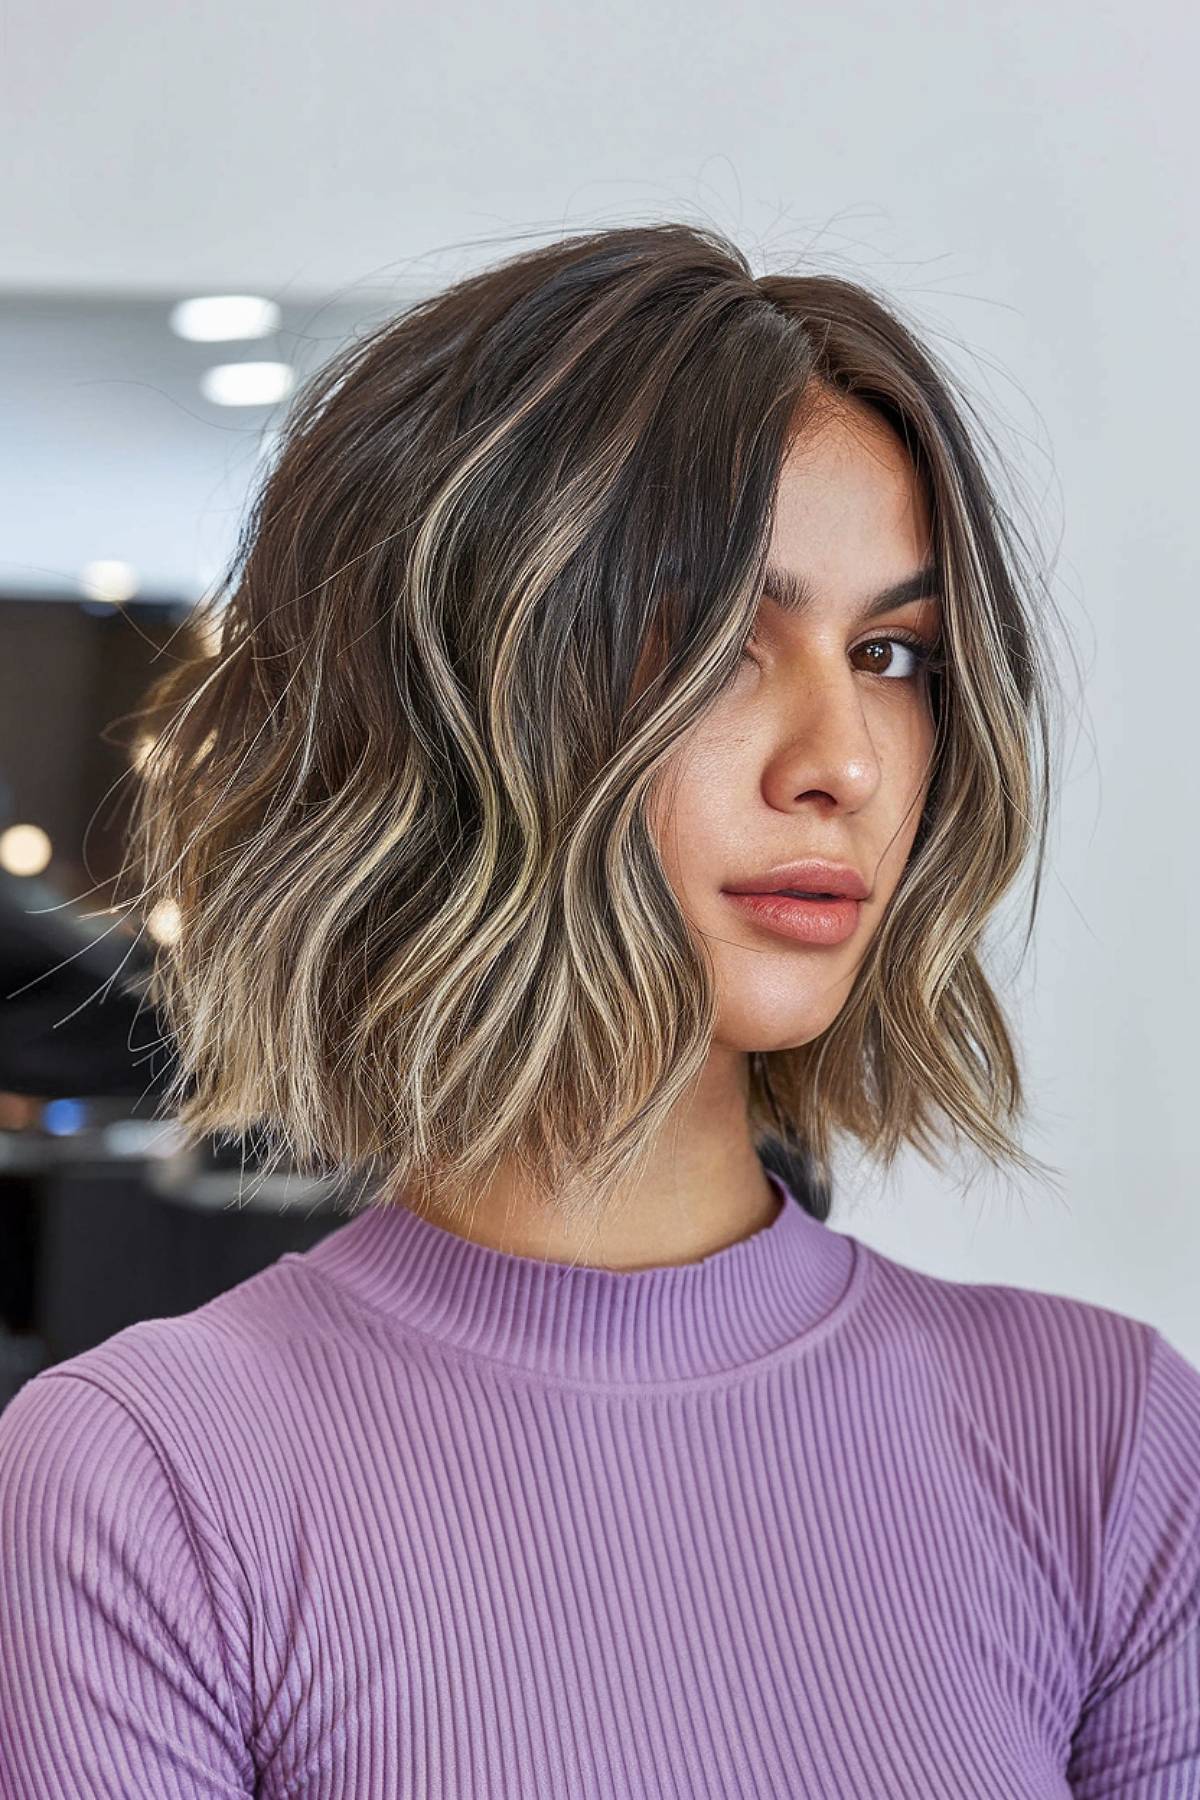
x,y
163,922
216,318
24,850
109,580
247,383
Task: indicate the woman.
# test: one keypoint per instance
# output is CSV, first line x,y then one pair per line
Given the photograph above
x,y
586,602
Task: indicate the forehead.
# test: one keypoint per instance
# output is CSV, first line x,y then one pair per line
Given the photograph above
x,y
851,511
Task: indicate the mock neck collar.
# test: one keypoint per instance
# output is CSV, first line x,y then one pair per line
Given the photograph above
x,y
578,1322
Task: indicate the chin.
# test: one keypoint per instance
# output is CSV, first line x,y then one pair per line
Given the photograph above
x,y
768,1039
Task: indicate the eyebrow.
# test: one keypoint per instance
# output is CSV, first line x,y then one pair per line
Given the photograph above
x,y
795,596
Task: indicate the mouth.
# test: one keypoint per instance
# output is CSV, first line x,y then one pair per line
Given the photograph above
x,y
808,878
807,918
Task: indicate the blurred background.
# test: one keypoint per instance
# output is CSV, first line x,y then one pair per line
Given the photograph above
x,y
201,204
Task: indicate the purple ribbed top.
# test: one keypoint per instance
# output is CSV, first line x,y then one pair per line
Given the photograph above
x,y
405,1515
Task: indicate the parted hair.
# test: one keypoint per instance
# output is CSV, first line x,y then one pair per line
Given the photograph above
x,y
508,552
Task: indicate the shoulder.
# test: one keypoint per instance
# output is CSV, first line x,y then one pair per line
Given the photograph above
x,y
1089,1412
199,1395
1019,1347
1065,1391
255,1330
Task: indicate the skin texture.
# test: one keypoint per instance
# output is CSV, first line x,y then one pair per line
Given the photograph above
x,y
820,746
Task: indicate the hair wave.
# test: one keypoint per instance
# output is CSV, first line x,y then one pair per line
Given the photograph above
x,y
401,807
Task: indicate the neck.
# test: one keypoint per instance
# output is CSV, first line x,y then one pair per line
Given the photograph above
x,y
701,1189
766,1296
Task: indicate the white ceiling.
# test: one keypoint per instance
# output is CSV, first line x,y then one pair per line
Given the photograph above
x,y
299,148
111,451
1020,176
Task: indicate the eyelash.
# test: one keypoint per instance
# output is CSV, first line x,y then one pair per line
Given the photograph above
x,y
929,658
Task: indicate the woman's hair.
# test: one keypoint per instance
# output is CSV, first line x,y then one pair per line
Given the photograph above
x,y
401,809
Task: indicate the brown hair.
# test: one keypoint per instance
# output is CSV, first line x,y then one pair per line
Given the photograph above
x,y
401,809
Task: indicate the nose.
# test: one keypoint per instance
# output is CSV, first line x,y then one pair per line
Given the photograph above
x,y
824,748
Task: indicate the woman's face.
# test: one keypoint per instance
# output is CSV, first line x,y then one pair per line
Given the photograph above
x,y
821,745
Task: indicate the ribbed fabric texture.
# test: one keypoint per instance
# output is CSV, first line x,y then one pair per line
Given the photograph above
x,y
408,1516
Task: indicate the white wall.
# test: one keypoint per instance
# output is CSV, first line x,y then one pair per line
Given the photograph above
x,y
1021,176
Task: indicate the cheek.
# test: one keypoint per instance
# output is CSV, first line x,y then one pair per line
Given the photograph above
x,y
908,783
688,820
684,844
905,752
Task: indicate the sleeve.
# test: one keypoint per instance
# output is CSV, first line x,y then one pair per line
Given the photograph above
x,y
114,1676
1138,1734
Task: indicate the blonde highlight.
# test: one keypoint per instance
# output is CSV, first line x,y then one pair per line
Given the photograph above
x,y
506,556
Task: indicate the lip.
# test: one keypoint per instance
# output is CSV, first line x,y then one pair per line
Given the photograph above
x,y
813,875
806,921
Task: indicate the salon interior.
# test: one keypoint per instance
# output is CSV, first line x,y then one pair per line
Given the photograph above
x,y
164,410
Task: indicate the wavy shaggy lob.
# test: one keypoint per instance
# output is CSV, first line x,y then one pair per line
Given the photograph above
x,y
401,810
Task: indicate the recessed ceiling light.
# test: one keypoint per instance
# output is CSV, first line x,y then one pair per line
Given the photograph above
x,y
247,383
24,850
163,922
217,318
109,580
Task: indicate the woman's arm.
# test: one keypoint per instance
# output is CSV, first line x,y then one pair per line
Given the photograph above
x,y
114,1676
1138,1736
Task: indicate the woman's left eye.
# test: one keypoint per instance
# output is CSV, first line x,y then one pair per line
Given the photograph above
x,y
924,657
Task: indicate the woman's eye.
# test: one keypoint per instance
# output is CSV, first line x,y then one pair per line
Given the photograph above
x,y
921,657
